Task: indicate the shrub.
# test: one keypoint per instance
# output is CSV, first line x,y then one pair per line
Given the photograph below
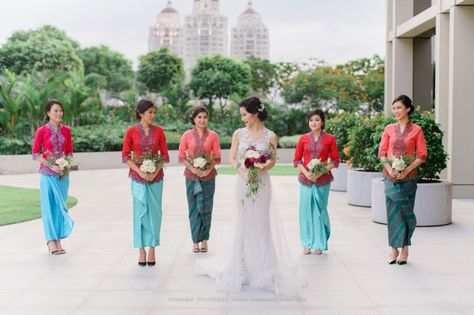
x,y
339,126
437,158
364,140
365,136
289,141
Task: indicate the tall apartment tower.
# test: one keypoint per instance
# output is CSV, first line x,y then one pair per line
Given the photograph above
x,y
167,31
250,37
205,32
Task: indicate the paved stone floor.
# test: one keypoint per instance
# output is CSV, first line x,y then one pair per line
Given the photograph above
x,y
99,274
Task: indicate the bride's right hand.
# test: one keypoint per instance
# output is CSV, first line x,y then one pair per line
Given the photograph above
x,y
243,174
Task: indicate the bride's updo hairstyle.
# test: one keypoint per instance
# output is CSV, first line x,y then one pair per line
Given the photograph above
x,y
253,106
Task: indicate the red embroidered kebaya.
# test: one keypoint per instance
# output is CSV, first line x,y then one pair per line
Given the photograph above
x,y
52,144
323,149
192,145
396,144
139,143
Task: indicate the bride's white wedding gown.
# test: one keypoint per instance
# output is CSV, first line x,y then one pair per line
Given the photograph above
x,y
257,254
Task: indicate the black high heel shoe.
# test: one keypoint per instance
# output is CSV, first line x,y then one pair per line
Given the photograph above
x,y
151,263
392,262
142,263
401,262
54,252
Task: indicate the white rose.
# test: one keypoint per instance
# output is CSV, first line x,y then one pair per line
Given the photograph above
x,y
62,163
199,162
313,163
398,164
148,166
252,154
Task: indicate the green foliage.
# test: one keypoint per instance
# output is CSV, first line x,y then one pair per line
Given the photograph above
x,y
215,77
289,141
159,70
355,86
9,103
15,146
112,65
364,140
339,126
46,48
263,75
437,158
365,136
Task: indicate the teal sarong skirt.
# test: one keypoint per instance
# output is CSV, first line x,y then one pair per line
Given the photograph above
x,y
401,220
147,214
200,203
57,223
314,219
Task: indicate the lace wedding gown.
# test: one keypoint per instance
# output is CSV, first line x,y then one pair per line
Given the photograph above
x,y
258,253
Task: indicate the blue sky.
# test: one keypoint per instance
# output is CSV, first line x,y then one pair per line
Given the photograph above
x,y
300,30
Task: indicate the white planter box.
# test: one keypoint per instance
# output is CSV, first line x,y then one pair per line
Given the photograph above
x,y
359,187
340,177
433,203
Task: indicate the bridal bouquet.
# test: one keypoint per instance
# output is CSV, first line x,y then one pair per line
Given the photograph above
x,y
253,161
315,166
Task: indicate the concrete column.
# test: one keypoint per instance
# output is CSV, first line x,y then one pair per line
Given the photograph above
x,y
422,73
402,60
441,60
461,101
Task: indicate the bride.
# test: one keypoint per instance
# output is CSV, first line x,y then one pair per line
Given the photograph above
x,y
258,254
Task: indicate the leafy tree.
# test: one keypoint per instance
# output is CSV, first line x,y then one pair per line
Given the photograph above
x,y
368,74
263,75
215,77
160,69
46,48
324,87
112,65
10,104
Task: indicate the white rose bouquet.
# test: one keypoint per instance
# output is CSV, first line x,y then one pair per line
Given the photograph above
x,y
148,162
399,163
64,164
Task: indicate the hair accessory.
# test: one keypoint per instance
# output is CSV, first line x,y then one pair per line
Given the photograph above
x,y
262,107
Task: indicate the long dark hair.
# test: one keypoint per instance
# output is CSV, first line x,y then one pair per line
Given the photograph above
x,y
143,106
253,105
49,104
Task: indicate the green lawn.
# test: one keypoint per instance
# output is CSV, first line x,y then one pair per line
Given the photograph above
x,y
21,204
279,170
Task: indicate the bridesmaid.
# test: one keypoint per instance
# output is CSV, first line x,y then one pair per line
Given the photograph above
x,y
147,189
200,184
53,141
402,138
314,188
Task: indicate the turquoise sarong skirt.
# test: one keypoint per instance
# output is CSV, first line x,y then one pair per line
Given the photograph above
x,y
147,212
57,223
313,215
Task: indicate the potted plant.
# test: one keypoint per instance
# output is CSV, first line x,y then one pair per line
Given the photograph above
x,y
339,127
433,202
364,139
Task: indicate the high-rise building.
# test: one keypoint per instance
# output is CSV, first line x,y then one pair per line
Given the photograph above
x,y
250,37
167,31
205,32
